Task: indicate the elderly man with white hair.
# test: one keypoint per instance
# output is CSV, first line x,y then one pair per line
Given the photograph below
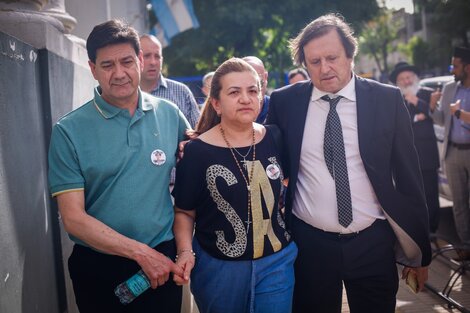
x,y
417,99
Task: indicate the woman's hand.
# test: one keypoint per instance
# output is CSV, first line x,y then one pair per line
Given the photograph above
x,y
186,260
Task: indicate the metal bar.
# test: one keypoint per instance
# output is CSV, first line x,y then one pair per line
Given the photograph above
x,y
451,302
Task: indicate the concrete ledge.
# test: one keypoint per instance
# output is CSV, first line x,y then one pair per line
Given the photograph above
x,y
43,32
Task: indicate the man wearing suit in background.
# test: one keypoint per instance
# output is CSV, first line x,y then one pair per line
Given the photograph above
x,y
418,100
453,114
355,200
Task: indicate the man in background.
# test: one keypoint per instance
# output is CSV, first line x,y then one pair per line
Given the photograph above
x,y
206,86
258,65
297,75
418,100
153,82
452,113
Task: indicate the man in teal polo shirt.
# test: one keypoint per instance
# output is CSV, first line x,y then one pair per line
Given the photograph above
x,y
109,168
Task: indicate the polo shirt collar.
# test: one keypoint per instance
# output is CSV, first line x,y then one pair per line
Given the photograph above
x,y
109,111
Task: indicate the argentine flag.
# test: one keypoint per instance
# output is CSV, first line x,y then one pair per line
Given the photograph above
x,y
174,16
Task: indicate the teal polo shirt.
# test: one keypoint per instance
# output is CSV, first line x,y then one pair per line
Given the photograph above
x,y
117,161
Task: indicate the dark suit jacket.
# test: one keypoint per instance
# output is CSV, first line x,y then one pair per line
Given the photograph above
x,y
423,131
387,151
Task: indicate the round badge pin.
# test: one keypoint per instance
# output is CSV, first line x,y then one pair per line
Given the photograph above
x,y
273,171
158,157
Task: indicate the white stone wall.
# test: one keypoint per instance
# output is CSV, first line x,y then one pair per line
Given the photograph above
x,y
92,12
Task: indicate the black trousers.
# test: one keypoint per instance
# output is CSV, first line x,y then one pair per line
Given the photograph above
x,y
95,275
365,263
431,189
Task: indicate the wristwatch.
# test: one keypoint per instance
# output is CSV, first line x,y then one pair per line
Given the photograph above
x,y
457,113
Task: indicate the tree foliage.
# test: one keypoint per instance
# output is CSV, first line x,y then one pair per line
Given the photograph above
x,y
420,53
244,27
449,26
452,19
377,38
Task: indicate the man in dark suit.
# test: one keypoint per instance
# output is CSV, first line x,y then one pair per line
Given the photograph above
x,y
355,200
417,100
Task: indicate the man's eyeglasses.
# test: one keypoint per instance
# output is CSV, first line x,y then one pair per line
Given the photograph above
x,y
451,68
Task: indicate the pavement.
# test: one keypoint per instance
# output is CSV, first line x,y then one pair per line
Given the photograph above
x,y
442,269
426,301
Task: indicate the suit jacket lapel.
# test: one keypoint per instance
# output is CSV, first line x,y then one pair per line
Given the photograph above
x,y
450,94
297,124
447,99
365,116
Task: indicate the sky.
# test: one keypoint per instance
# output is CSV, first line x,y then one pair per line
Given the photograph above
x,y
398,4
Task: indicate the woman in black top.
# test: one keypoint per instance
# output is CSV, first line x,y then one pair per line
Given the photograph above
x,y
229,185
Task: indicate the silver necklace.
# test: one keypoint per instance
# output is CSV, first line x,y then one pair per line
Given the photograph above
x,y
241,155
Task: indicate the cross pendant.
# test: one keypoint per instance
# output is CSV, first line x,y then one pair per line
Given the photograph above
x,y
248,222
244,161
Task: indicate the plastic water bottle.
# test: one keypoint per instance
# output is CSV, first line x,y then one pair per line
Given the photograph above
x,y
132,288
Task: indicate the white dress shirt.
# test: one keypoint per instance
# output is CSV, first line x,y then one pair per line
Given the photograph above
x,y
315,194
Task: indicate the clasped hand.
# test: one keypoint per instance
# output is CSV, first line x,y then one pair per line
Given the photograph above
x,y
157,267
186,261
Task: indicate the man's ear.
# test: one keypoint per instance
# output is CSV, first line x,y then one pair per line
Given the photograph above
x,y
92,68
466,68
